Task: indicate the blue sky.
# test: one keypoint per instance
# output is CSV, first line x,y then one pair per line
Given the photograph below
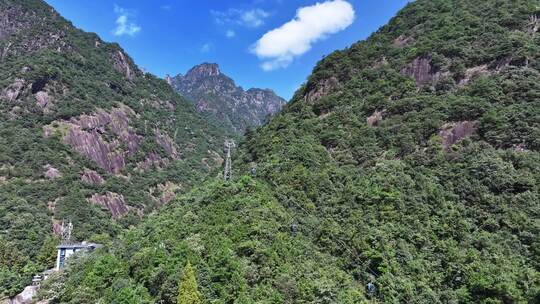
x,y
253,41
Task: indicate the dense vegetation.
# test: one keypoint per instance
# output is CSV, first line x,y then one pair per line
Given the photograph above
x,y
81,74
365,177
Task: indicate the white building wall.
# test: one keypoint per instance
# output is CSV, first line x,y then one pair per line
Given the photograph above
x,y
69,252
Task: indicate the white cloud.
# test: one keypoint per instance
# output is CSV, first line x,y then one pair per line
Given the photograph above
x,y
248,18
207,47
230,34
280,46
124,26
254,18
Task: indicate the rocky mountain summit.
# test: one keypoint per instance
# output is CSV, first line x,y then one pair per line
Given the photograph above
x,y
216,94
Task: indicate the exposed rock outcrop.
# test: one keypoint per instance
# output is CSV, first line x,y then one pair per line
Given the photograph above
x,y
56,227
122,65
56,40
5,51
322,88
403,41
12,92
374,119
422,71
26,296
204,106
51,205
166,142
117,119
84,134
164,193
473,72
266,100
91,145
49,66
521,148
13,20
114,202
380,62
92,177
152,160
44,101
203,71
213,160
51,172
17,19
452,133
160,104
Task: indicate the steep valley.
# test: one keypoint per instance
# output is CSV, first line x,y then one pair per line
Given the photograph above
x,y
405,170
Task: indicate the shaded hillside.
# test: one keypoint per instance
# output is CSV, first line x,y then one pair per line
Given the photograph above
x,y
216,95
84,135
409,161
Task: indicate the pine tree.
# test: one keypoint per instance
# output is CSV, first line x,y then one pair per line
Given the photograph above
x,y
47,253
189,291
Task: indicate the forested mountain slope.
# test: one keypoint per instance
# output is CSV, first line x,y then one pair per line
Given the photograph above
x,y
84,135
410,160
217,95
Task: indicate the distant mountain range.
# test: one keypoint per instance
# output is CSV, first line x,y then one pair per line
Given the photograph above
x,y
217,95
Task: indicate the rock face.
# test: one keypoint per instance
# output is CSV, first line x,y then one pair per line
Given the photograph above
x,y
122,65
93,146
11,21
374,119
85,133
452,133
164,193
51,172
322,88
92,177
15,19
56,227
12,92
422,71
152,160
472,72
112,201
213,92
44,101
166,142
26,296
403,41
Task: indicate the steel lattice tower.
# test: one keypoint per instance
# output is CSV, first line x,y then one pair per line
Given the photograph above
x,y
66,232
227,174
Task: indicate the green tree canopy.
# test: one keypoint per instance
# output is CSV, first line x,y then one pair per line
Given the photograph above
x,y
189,291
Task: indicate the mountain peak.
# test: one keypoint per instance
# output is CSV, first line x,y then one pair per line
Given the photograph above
x,y
204,70
214,92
